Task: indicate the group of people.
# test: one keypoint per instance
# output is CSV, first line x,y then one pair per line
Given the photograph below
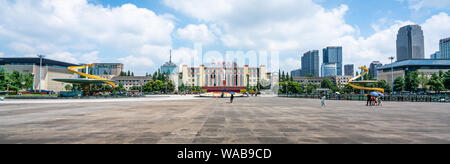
x,y
373,100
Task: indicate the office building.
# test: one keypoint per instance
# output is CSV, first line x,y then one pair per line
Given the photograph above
x,y
444,48
410,43
107,70
333,55
373,68
436,55
329,70
297,72
310,63
349,70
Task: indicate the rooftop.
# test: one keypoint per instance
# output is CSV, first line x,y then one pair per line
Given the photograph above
x,y
417,62
34,60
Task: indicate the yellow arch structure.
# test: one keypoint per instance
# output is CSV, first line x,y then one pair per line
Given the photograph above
x,y
74,68
366,70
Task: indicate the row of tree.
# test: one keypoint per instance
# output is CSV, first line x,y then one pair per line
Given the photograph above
x,y
415,81
15,81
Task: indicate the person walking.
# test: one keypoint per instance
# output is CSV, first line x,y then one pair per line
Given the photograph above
x,y
231,98
322,101
369,100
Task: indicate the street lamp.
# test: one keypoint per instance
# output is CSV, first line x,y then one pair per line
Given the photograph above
x,y
392,73
40,71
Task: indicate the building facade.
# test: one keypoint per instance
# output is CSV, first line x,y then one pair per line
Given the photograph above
x,y
329,70
107,69
297,72
51,69
169,67
436,55
310,63
410,43
349,70
130,81
401,68
333,55
444,48
373,68
223,75
340,81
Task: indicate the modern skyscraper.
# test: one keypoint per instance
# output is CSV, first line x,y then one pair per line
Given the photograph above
x,y
373,68
444,48
436,55
349,70
333,55
310,63
329,69
410,43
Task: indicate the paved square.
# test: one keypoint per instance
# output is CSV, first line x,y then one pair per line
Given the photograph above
x,y
262,120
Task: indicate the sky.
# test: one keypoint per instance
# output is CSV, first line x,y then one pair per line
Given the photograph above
x,y
141,33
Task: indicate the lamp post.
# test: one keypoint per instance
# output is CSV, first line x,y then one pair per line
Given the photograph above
x,y
392,73
40,71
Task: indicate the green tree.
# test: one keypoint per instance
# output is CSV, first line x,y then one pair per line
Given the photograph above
x,y
16,81
68,87
383,84
309,75
436,83
423,80
326,83
310,88
412,81
348,89
120,88
446,79
129,73
28,78
4,79
399,84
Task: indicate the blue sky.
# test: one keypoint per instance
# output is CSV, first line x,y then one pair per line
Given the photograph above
x,y
140,33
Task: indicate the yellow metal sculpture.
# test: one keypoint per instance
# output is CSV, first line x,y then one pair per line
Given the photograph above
x,y
74,69
365,71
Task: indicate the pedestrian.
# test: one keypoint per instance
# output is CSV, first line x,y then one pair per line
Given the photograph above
x,y
379,102
231,98
322,101
376,101
369,98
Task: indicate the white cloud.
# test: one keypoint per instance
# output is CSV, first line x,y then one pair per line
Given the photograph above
x,y
91,57
2,54
133,63
435,28
436,4
76,27
197,34
382,44
303,25
268,24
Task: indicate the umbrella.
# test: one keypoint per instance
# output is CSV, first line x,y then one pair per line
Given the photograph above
x,y
232,93
373,93
380,94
